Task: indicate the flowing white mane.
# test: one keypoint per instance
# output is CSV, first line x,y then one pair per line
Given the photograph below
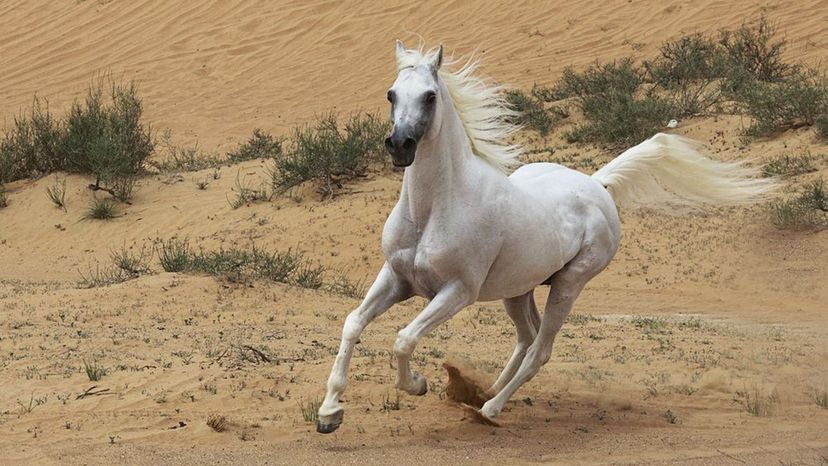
x,y
481,108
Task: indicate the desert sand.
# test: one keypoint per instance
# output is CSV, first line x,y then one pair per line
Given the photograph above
x,y
698,313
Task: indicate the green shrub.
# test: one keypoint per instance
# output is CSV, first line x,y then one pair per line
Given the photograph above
x,y
689,70
32,147
754,50
330,155
799,100
808,209
105,135
261,145
100,209
4,201
615,112
102,136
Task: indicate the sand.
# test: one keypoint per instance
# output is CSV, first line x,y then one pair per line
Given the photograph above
x,y
697,316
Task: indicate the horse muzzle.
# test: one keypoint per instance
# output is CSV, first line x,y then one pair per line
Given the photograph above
x,y
402,149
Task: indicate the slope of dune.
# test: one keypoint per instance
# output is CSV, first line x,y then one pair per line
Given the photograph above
x,y
699,313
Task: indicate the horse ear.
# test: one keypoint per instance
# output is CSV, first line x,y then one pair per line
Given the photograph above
x,y
437,61
400,50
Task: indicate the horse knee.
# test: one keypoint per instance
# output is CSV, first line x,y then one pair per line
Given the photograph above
x,y
353,327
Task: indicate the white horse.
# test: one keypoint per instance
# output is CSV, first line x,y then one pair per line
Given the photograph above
x,y
463,231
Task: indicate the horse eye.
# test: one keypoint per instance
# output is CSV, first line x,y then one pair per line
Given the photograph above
x,y
431,97
390,96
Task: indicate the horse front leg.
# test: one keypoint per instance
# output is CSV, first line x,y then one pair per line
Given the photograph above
x,y
386,291
448,302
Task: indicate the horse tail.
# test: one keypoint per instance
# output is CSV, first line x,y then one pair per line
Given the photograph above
x,y
669,170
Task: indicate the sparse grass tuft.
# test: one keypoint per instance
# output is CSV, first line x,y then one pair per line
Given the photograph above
x,y
261,145
670,417
310,410
57,193
787,166
649,323
130,263
758,403
329,153
246,194
808,209
821,398
344,286
100,209
93,371
217,422
174,254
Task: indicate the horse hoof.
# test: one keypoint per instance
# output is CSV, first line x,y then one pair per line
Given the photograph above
x,y
330,423
423,386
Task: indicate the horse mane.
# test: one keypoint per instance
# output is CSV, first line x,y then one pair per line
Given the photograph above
x,y
484,112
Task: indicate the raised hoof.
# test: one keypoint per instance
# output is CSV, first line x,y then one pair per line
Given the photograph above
x,y
331,423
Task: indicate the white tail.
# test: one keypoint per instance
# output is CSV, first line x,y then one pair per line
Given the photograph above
x,y
668,170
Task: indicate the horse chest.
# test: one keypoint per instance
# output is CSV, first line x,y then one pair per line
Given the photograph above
x,y
417,263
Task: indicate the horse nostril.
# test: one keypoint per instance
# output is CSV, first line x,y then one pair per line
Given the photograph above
x,y
409,144
389,145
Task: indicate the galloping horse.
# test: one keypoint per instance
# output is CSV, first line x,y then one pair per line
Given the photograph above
x,y
463,231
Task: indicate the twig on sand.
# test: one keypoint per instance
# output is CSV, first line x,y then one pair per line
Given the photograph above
x,y
91,392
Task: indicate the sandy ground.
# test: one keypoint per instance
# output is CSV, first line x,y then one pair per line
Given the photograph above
x,y
698,316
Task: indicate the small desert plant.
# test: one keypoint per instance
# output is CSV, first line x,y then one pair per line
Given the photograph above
x,y
130,263
245,193
342,285
261,145
174,254
310,410
100,209
4,201
329,153
57,193
93,371
217,422
183,159
758,403
808,209
670,417
788,166
821,398
310,276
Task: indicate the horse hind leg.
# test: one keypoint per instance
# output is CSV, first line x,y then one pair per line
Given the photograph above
x,y
524,314
567,284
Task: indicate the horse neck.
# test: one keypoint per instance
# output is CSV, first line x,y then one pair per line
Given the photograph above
x,y
442,168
